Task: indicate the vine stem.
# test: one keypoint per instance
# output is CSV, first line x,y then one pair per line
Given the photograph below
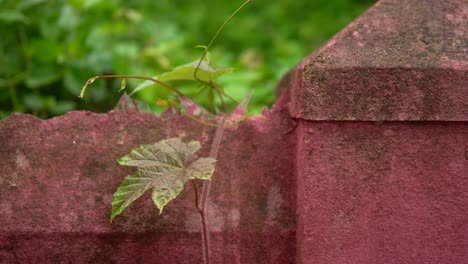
x,y
211,84
202,203
92,79
215,37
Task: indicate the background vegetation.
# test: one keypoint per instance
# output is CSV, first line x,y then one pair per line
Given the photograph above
x,y
49,48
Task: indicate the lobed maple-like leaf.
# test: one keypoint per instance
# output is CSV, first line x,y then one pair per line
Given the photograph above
x,y
164,167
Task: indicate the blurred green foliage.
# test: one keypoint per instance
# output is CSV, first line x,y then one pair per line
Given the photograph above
x,y
49,48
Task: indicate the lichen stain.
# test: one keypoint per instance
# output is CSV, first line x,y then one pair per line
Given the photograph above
x,y
22,162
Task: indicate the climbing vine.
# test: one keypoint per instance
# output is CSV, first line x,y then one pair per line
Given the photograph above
x,y
165,167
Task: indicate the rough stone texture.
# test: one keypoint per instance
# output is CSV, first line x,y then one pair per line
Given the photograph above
x,y
380,191
394,192
58,177
401,60
314,188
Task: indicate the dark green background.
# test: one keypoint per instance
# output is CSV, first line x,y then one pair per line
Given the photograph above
x,y
49,48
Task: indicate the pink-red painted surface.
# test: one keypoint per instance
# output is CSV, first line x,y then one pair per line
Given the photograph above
x,y
401,60
382,138
392,192
58,176
365,163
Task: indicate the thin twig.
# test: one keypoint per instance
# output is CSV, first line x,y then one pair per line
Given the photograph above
x,y
205,52
91,80
196,119
199,120
220,95
215,145
219,90
206,192
214,38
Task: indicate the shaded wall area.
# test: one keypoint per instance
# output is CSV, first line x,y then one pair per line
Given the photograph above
x,y
392,192
58,177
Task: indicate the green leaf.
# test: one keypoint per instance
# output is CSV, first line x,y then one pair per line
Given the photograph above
x,y
164,167
123,84
42,74
205,73
46,50
12,16
207,55
26,4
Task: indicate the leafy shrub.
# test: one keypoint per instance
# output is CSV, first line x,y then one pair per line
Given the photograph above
x,y
49,48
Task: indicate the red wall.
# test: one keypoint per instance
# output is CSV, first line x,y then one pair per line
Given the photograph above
x,y
363,160
58,176
382,138
394,192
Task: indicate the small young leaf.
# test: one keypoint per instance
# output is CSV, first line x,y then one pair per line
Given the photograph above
x,y
205,73
163,167
123,84
207,53
162,103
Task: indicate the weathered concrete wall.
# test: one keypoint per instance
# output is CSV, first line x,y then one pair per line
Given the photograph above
x,y
380,178
394,192
401,60
58,176
365,162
